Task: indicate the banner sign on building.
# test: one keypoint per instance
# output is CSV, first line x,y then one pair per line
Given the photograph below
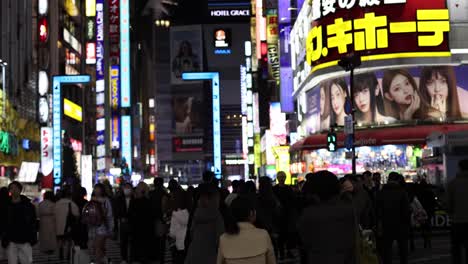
x,y
377,30
272,42
127,140
114,32
99,42
115,87
47,163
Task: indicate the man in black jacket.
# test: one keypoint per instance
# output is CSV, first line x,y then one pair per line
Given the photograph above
x,y
21,227
393,212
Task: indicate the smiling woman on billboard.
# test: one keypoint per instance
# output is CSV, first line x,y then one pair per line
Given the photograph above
x,y
338,96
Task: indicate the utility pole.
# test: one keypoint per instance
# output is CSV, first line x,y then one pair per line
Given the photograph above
x,y
349,63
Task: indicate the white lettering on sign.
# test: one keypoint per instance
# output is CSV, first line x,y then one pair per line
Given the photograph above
x,y
230,13
322,8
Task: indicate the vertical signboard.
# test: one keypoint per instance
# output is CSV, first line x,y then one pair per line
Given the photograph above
x,y
87,173
115,91
100,88
272,41
47,163
125,53
127,140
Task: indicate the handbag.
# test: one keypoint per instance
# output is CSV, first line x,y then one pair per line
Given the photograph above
x,y
70,223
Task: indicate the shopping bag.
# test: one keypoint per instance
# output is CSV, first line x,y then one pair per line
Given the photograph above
x,y
81,256
366,247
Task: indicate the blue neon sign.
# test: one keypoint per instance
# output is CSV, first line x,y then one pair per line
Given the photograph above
x,y
125,53
57,119
214,78
127,140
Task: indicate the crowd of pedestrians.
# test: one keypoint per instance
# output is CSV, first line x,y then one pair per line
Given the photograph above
x,y
325,219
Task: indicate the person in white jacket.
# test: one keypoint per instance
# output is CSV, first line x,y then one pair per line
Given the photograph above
x,y
178,228
63,226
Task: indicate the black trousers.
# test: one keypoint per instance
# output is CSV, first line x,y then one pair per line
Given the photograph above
x,y
387,247
459,241
124,240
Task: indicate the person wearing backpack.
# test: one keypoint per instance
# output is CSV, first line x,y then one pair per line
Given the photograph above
x,y
97,214
66,217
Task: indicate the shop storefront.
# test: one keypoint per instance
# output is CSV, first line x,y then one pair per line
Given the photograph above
x,y
411,83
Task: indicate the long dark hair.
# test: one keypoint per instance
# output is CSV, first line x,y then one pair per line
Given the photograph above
x,y
239,211
341,83
453,106
326,110
362,82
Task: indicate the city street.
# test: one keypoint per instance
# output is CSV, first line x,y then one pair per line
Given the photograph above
x,y
439,254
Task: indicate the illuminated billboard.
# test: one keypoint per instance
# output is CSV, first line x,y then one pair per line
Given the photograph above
x,y
72,110
125,53
127,140
377,30
433,94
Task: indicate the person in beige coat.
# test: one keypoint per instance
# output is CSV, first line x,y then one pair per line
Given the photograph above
x,y
62,207
244,243
46,214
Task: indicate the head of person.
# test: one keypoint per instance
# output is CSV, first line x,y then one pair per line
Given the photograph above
x,y
158,183
364,89
208,177
127,190
346,185
265,187
367,177
49,196
463,165
185,48
248,188
173,185
141,190
396,178
209,196
377,178
337,89
66,192
324,185
324,102
241,210
281,177
181,200
439,83
99,191
235,186
399,88
15,188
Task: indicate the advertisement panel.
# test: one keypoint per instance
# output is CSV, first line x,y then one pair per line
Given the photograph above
x,y
433,94
186,51
125,53
99,43
114,32
87,173
188,109
72,110
127,140
47,163
272,42
115,87
277,124
377,30
187,144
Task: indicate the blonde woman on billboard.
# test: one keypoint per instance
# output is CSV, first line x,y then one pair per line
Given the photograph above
x,y
438,88
338,97
401,92
365,99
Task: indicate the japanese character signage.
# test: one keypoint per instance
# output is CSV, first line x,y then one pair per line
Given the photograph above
x,y
125,53
115,87
114,31
272,42
99,42
385,29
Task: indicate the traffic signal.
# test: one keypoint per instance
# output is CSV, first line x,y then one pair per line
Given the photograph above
x,y
331,142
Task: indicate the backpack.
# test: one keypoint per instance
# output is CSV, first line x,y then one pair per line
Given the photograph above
x,y
93,214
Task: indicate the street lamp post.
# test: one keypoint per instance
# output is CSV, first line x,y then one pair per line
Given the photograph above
x,y
349,63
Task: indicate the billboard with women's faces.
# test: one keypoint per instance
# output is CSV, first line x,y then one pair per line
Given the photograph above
x,y
433,94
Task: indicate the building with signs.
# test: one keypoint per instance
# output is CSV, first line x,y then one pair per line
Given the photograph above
x,y
411,83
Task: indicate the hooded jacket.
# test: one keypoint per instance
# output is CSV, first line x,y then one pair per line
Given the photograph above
x,y
207,227
178,229
457,197
21,224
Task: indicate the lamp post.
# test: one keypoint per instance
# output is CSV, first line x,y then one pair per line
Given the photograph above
x,y
349,63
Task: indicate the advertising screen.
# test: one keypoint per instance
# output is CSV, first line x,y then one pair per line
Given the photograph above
x,y
416,95
186,51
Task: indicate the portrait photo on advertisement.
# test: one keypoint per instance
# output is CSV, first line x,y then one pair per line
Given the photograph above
x,y
186,51
187,109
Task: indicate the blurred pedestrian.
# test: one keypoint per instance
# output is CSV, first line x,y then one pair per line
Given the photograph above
x,y
267,206
21,227
243,242
47,224
327,227
102,230
287,216
458,211
80,232
428,200
4,202
122,214
233,195
362,202
141,221
66,217
207,226
178,227
393,214
159,200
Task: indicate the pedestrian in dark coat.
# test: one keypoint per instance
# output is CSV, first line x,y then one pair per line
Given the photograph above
x,y
393,213
206,228
327,227
141,220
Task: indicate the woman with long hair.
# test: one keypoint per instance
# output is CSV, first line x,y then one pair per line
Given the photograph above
x,y
243,242
365,91
103,231
338,93
438,88
401,92
324,108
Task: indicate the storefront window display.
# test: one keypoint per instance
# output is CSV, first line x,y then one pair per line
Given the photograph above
x,y
387,158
